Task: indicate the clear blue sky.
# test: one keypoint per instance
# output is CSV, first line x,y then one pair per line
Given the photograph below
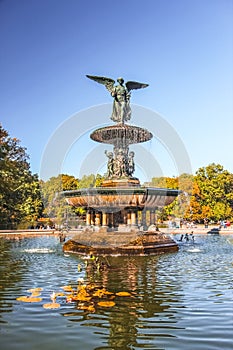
x,y
182,48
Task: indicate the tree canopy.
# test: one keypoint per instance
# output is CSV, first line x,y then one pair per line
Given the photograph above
x,y
55,206
212,195
206,195
20,198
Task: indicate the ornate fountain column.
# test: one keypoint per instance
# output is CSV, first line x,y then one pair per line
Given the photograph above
x,y
144,218
104,219
139,216
152,217
128,218
133,218
92,217
88,218
98,218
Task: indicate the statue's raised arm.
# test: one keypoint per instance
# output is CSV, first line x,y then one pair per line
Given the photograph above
x,y
121,93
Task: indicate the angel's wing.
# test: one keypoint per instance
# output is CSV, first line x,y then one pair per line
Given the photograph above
x,y
108,82
133,85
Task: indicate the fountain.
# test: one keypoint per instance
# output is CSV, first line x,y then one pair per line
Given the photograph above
x,y
121,213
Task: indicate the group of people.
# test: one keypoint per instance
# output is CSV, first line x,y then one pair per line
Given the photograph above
x,y
224,224
41,227
187,237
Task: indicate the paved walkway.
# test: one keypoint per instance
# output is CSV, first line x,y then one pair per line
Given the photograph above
x,y
26,233
199,229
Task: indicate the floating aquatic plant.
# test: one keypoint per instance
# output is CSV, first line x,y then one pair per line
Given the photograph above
x,y
106,303
51,306
89,308
101,293
87,297
29,299
34,290
123,294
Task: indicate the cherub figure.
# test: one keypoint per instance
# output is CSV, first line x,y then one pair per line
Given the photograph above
x,y
121,106
131,165
120,164
110,164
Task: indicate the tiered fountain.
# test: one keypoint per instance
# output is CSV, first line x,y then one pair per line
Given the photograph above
x,y
121,214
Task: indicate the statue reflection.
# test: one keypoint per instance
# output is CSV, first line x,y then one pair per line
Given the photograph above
x,y
130,317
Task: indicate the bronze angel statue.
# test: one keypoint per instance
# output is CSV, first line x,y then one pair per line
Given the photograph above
x,y
121,93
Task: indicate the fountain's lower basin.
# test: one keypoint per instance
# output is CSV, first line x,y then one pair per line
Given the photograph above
x,y
120,243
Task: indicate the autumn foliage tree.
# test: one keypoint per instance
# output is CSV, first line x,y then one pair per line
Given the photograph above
x,y
208,194
212,196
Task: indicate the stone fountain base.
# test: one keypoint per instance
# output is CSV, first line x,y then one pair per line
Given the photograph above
x,y
120,243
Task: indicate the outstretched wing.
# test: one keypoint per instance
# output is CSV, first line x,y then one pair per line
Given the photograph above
x,y
133,85
108,82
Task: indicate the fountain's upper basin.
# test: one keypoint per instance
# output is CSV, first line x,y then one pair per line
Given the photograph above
x,y
121,132
119,198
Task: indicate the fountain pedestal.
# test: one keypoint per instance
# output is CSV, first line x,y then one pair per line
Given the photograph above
x,y
121,183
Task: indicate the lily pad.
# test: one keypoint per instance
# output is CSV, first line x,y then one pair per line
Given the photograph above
x,y
33,290
81,298
106,303
29,299
101,292
89,308
51,306
67,288
123,294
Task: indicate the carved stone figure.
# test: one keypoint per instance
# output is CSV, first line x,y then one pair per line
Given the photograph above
x,y
120,164
131,166
110,165
121,93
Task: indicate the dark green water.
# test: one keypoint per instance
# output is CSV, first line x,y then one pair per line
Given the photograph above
x,y
178,301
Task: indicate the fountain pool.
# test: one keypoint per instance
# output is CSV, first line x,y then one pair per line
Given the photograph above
x,y
176,301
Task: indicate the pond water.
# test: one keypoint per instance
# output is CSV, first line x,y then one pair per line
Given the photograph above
x,y
176,301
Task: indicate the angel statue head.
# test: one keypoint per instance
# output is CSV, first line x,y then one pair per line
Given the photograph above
x,y
121,111
120,80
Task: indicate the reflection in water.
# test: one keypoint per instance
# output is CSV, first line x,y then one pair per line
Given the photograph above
x,y
11,273
177,301
129,321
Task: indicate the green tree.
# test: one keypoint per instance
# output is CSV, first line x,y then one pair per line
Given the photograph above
x,y
87,181
180,206
55,206
20,199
